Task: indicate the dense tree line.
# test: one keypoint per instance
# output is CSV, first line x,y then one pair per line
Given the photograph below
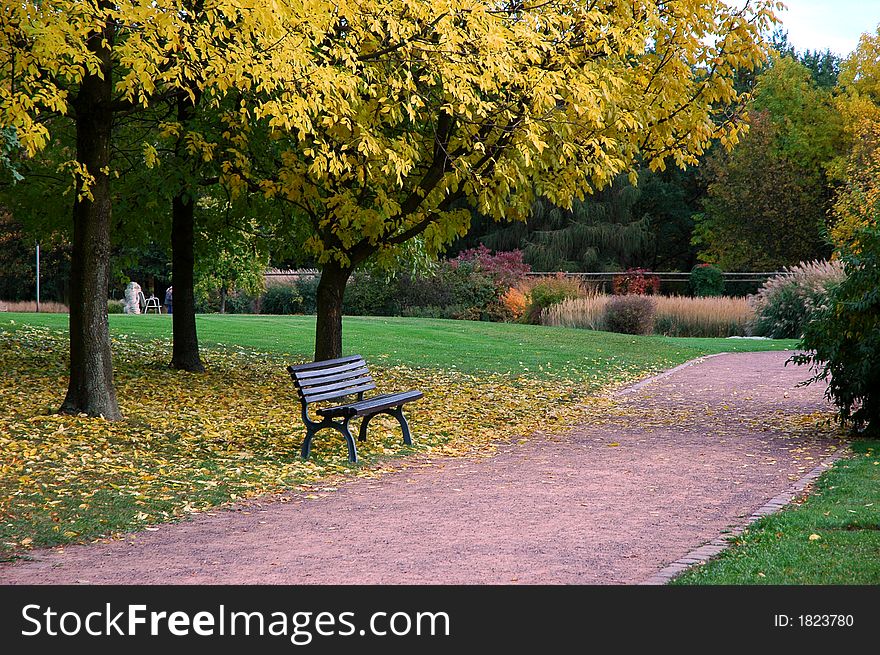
x,y
760,206
350,135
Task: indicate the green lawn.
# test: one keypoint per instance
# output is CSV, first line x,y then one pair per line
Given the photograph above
x,y
467,346
833,537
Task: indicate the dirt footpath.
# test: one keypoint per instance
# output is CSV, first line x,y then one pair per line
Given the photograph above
x,y
654,473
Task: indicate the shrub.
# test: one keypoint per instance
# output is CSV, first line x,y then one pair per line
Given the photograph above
x,y
461,284
681,316
842,341
786,303
282,299
506,268
706,280
241,303
460,291
636,281
370,294
497,311
630,314
113,307
515,302
434,311
549,291
307,286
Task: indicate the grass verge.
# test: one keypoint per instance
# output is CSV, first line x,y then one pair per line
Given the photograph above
x,y
831,536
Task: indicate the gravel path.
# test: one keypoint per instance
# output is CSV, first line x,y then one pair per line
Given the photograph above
x,y
654,473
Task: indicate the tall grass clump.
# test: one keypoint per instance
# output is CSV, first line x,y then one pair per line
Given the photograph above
x,y
31,306
710,316
787,302
587,312
674,316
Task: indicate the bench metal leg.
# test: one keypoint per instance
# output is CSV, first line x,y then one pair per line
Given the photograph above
x,y
349,441
312,428
397,413
362,432
307,443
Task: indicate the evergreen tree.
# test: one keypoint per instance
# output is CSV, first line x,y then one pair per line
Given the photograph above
x,y
598,233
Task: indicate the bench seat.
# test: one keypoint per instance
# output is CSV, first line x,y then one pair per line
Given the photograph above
x,y
371,405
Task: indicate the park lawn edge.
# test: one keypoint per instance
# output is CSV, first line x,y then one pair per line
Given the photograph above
x,y
830,535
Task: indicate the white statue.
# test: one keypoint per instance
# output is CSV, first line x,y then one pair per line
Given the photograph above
x,y
132,302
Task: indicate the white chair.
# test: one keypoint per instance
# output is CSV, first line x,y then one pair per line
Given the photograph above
x,y
149,303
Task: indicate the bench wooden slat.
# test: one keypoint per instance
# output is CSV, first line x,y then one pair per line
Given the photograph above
x,y
331,370
387,400
335,394
371,405
341,388
315,382
324,363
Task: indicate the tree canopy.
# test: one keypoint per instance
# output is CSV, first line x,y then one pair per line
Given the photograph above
x,y
413,105
767,199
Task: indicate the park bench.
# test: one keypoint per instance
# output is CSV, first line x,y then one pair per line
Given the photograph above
x,y
335,379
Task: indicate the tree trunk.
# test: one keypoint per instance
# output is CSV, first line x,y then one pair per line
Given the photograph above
x,y
223,293
185,351
328,331
90,389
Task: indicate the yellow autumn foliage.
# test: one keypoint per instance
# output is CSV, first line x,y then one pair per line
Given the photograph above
x,y
411,105
857,204
385,111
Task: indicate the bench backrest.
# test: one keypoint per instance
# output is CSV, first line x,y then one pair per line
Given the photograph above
x,y
332,378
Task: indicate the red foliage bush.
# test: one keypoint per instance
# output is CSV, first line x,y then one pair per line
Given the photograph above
x,y
637,282
506,268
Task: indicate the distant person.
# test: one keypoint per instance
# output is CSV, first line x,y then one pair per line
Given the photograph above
x,y
168,300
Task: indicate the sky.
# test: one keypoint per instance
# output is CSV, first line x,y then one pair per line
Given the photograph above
x,y
829,24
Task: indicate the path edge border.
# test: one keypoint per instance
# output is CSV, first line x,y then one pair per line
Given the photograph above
x,y
637,386
715,547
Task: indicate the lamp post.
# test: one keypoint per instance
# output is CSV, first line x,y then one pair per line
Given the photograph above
x,y
38,277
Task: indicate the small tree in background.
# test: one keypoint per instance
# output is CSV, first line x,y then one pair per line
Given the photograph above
x,y
229,261
706,280
506,268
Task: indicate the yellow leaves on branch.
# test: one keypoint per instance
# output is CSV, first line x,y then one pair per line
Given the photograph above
x,y
419,101
81,179
384,110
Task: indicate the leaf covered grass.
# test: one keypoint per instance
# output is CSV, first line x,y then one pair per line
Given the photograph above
x,y
190,442
831,536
